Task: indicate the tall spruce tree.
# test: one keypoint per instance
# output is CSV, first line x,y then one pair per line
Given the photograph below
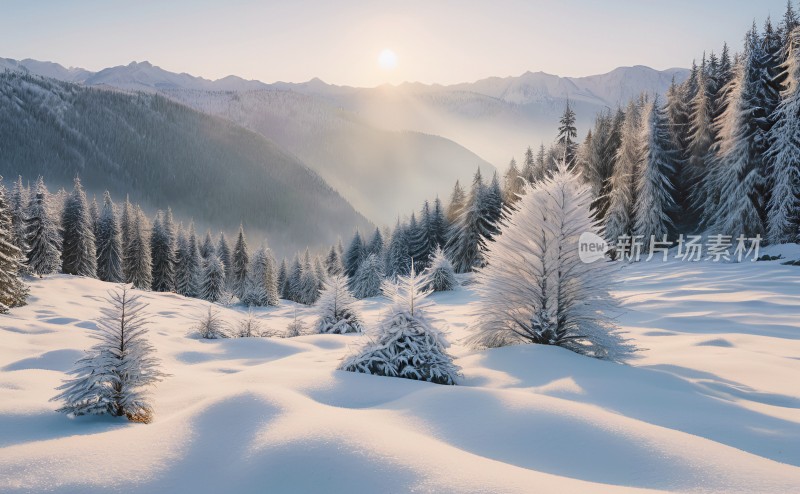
x,y
262,281
224,253
20,197
79,253
138,261
354,255
567,135
654,192
457,202
109,243
783,218
13,291
162,249
467,237
42,235
398,257
622,197
212,284
240,261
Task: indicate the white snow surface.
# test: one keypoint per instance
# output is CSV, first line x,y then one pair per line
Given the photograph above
x,y
712,403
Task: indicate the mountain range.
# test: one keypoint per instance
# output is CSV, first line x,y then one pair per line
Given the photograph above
x,y
385,149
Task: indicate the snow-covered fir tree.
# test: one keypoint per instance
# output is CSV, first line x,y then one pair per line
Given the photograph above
x,y
783,214
94,215
308,286
162,249
473,227
13,291
116,374
283,280
240,261
224,253
212,284
354,256
512,183
375,245
700,139
456,204
187,262
335,308
207,248
333,263
293,280
262,281
437,235
126,222
421,245
79,253
137,259
319,272
535,288
415,234
109,243
20,198
405,343
655,202
367,280
528,172
736,173
398,258
620,216
440,276
567,135
42,235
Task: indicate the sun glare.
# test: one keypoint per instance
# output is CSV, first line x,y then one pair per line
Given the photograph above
x,y
387,59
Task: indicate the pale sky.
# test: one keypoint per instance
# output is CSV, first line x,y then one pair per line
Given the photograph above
x,y
341,41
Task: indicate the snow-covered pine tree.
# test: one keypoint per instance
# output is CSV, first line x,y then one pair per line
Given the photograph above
x,y
622,197
126,222
456,204
700,139
42,235
283,280
207,248
654,192
185,267
79,254
567,135
599,154
440,276
494,205
678,112
417,243
467,237
224,253
262,283
319,272
354,255
240,261
529,173
541,167
535,288
512,183
308,285
736,174
398,258
212,285
20,198
375,245
113,378
162,249
12,291
437,231
405,343
137,258
367,281
333,264
783,156
424,245
94,214
293,281
109,243
336,308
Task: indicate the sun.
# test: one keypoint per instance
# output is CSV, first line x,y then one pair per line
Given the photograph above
x,y
387,59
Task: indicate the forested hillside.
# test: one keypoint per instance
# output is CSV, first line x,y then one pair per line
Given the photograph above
x,y
162,153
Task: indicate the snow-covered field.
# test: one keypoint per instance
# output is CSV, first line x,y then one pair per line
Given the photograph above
x,y
711,405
